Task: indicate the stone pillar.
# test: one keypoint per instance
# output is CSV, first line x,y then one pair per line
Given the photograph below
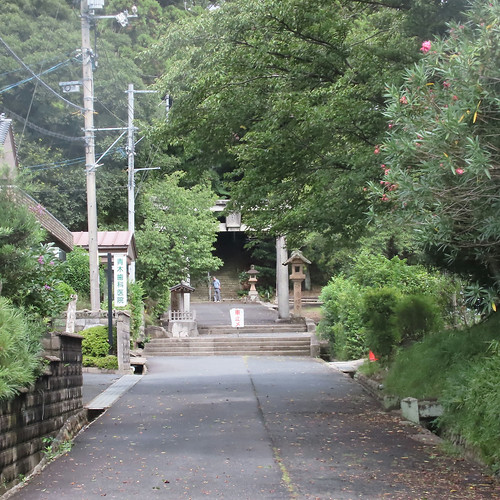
x,y
71,315
123,340
282,292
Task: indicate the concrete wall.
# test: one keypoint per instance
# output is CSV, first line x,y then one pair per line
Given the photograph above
x,y
53,404
121,321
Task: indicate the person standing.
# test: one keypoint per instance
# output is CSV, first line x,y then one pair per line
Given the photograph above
x,y
216,285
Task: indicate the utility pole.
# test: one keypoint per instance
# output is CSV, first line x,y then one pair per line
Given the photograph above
x,y
90,166
131,177
131,165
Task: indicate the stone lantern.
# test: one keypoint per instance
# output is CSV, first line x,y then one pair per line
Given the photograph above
x,y
297,261
252,273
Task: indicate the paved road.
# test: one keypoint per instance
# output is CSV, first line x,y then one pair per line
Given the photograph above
x,y
251,428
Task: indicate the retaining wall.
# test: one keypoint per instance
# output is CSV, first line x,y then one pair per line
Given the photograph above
x,y
53,404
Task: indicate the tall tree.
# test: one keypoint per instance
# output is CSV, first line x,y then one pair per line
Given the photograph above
x,y
285,98
176,236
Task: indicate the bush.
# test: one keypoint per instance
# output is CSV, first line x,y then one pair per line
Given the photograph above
x,y
109,362
136,306
342,324
95,341
379,307
416,316
75,271
19,350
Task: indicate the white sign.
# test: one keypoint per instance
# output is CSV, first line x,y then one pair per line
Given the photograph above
x,y
237,318
120,279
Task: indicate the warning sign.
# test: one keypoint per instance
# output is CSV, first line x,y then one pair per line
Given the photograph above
x,y
237,318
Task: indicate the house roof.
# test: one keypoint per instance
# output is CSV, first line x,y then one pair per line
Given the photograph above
x,y
109,242
4,129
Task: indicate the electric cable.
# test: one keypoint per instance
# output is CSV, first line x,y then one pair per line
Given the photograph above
x,y
38,79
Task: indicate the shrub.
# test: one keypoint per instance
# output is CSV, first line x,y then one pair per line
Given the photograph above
x,y
75,271
109,362
136,306
342,324
417,315
95,341
379,307
19,349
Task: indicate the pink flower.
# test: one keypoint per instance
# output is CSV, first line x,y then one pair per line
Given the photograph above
x,y
426,46
390,126
446,85
403,100
47,287
386,171
40,259
459,171
377,150
455,98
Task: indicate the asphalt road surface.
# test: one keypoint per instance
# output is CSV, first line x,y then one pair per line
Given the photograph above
x,y
253,428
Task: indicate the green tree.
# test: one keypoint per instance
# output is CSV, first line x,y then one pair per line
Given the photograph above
x,y
284,100
176,236
19,231
441,156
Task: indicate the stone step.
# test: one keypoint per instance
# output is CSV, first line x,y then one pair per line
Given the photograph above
x,y
277,328
299,345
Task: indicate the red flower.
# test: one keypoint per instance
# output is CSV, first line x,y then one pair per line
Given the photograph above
x,y
459,171
426,46
377,150
446,85
403,100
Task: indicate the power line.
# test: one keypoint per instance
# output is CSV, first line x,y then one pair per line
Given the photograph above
x,y
18,59
21,82
40,129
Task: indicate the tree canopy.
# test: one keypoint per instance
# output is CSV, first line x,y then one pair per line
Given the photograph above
x,y
440,160
284,101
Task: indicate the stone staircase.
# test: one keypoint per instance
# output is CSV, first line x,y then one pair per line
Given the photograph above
x,y
284,344
230,285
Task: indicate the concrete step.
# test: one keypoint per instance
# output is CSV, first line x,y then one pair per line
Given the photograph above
x,y
277,328
298,345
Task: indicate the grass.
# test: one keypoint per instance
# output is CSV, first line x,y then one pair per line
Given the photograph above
x,y
422,370
461,368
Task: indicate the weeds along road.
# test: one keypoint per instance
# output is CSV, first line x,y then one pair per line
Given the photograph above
x,y
249,428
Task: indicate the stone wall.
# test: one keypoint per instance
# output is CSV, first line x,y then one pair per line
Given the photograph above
x,y
54,404
121,321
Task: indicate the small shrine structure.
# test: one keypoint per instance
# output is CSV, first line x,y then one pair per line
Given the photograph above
x,y
297,261
181,320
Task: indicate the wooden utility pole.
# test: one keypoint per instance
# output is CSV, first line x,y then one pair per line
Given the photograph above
x,y
90,166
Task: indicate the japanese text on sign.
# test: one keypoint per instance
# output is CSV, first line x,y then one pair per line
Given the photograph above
x,y
120,280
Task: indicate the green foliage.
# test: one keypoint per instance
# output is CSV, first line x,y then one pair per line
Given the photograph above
x,y
342,323
471,401
379,306
136,306
442,150
42,293
19,231
462,369
416,316
421,370
109,362
19,350
176,236
75,271
344,316
95,341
